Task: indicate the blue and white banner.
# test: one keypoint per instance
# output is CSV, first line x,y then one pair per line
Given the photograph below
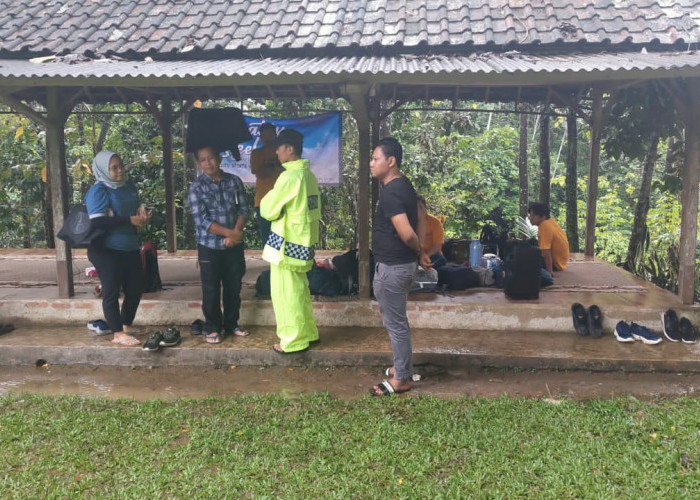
x,y
322,146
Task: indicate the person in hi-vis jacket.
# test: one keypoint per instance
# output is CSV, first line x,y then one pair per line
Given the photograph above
x,y
294,207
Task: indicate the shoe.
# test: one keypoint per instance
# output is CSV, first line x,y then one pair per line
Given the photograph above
x,y
642,333
196,327
153,342
171,337
595,321
687,330
669,320
237,331
99,327
623,332
578,313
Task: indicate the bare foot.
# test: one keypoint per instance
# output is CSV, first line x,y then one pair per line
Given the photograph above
x,y
124,339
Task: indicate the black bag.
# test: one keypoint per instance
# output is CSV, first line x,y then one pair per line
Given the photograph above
x,y
347,267
151,273
522,272
456,250
78,231
323,281
457,277
262,285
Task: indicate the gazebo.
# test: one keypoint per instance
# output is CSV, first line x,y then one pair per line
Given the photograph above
x,y
166,54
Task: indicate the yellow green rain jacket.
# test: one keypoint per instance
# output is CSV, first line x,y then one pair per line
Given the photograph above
x,y
294,207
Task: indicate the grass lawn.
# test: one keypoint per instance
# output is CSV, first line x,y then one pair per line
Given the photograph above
x,y
321,447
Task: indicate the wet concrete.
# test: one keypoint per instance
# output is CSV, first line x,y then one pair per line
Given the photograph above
x,y
345,383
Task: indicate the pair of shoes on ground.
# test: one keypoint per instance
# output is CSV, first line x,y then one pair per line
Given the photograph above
x,y
157,339
6,328
629,332
677,330
587,321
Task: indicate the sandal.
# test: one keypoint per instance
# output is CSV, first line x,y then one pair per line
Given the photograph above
x,y
239,332
214,338
386,389
278,349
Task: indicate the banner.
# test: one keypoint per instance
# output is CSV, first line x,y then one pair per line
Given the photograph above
x,y
322,146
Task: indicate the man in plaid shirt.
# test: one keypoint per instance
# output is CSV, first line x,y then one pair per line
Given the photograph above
x,y
219,208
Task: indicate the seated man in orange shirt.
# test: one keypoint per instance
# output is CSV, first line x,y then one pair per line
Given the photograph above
x,y
434,236
551,238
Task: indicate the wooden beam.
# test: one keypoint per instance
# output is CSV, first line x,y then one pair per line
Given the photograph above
x,y
358,97
687,101
58,179
24,109
596,126
166,127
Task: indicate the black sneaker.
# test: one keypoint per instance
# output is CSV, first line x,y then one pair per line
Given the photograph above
x,y
578,313
196,327
153,342
688,333
640,332
171,337
595,321
672,330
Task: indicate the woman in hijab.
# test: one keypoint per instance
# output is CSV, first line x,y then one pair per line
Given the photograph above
x,y
113,204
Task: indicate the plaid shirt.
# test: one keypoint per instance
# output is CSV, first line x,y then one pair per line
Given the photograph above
x,y
221,202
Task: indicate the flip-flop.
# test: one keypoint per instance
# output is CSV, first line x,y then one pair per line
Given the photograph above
x,y
214,338
386,389
280,351
129,341
240,332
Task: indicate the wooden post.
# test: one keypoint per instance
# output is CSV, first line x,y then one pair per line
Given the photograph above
x,y
689,192
166,128
358,95
522,166
57,175
596,125
545,161
572,179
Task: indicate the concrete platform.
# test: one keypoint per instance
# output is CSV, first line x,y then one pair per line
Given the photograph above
x,y
357,347
474,327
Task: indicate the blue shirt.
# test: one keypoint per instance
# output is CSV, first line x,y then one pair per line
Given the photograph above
x,y
123,201
222,202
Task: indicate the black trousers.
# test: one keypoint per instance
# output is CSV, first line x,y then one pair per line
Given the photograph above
x,y
118,270
221,269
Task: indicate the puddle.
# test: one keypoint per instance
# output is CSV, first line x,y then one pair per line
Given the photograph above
x,y
345,383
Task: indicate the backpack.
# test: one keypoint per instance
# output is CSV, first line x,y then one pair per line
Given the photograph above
x,y
347,267
151,273
522,271
455,277
323,281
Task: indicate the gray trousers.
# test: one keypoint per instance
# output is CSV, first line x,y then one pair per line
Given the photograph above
x,y
391,287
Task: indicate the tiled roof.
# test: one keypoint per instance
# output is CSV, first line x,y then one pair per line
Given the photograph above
x,y
208,28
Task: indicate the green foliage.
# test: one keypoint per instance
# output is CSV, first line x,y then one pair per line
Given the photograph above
x,y
316,446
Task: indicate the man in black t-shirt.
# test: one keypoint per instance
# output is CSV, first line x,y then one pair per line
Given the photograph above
x,y
397,250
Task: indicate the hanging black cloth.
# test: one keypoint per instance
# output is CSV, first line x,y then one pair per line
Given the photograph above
x,y
223,128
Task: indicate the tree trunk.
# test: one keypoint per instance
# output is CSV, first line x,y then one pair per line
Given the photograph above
x,y
572,180
545,161
639,229
522,165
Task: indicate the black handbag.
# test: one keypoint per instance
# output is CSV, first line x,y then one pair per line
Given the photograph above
x,y
78,231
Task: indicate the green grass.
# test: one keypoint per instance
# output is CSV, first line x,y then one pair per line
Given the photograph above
x,y
321,447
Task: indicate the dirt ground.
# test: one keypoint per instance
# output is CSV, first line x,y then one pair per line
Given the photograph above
x,y
344,383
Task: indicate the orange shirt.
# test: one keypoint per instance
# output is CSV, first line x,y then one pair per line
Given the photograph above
x,y
434,233
552,237
266,168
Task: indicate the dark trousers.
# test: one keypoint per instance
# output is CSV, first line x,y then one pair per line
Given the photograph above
x,y
264,225
221,269
118,270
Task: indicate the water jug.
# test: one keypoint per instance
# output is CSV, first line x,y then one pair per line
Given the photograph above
x,y
475,253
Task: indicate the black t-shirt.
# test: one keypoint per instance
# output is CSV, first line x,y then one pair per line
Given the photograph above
x,y
397,197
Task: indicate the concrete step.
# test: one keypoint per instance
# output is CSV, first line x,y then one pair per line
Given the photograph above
x,y
341,346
